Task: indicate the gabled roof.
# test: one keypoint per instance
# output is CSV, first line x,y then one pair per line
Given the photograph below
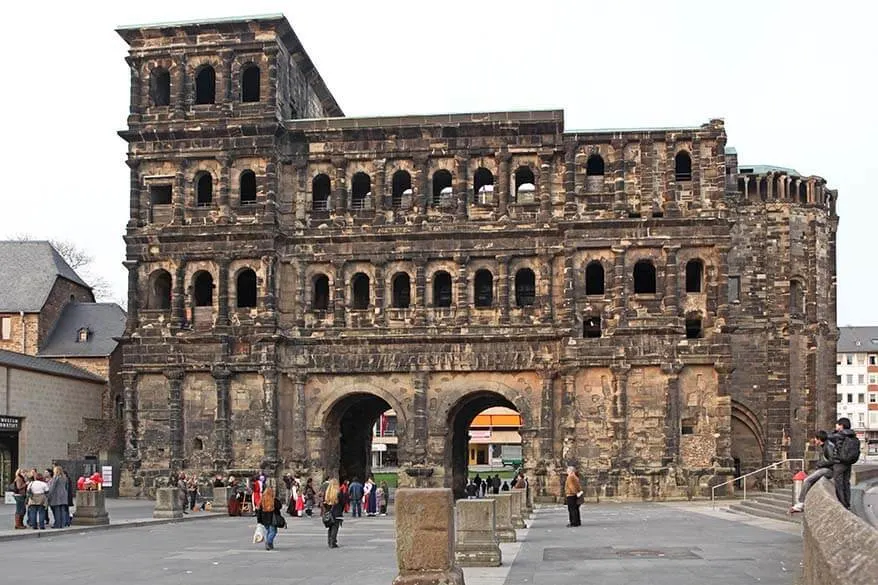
x,y
28,271
22,361
857,340
104,322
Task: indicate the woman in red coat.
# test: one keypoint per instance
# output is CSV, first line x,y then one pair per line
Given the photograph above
x,y
257,492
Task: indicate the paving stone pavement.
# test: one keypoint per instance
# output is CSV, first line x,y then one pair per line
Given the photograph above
x,y
658,544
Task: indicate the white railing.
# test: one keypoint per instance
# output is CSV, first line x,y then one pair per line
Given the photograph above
x,y
765,469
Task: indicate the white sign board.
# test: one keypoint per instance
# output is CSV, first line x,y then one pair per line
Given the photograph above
x,y
107,475
379,447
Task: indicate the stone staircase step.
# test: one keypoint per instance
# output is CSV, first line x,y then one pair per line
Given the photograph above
x,y
765,511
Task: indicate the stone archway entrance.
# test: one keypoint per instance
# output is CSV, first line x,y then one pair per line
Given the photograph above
x,y
349,431
748,449
460,417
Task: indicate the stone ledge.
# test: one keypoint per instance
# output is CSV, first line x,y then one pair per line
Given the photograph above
x,y
840,548
22,534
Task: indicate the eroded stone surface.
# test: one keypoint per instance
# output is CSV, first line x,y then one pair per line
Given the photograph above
x,y
476,543
425,537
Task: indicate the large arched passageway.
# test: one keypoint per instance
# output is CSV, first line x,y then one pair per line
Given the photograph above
x,y
349,431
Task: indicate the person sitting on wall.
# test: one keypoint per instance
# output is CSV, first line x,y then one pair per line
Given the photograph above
x,y
825,455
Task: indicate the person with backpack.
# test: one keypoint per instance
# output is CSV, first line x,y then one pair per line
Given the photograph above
x,y
825,456
847,452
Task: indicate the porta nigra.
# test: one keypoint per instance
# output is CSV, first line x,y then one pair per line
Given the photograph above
x,y
659,315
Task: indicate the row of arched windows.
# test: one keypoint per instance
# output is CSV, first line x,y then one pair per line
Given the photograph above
x,y
205,85
161,194
159,294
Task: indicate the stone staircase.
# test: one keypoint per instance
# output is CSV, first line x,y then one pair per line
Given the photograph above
x,y
775,505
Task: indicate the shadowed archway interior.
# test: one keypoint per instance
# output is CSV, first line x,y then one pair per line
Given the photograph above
x,y
349,435
460,418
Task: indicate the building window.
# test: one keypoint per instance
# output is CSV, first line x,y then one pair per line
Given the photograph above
x,y
644,277
683,166
361,190
873,397
82,335
850,398
849,359
483,186
873,378
861,359
247,185
5,328
594,166
591,327
205,85
442,289
861,398
849,380
839,397
734,289
320,300
250,84
838,379
693,328
401,189
873,360
525,190
694,276
441,186
360,290
197,444
483,287
594,278
246,289
320,188
160,194
525,287
204,190
119,407
861,379
159,297
402,291
203,289
160,87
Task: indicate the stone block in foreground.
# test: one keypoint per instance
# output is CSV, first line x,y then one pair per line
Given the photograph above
x,y
220,503
91,509
167,503
504,528
475,543
425,537
522,511
517,520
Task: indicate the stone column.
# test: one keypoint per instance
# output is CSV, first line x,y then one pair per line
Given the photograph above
x,y
174,377
180,193
673,414
181,81
569,455
503,517
672,282
269,216
565,315
547,415
463,300
425,537
620,299
546,283
724,441
129,413
545,183
570,178
135,218
378,187
419,418
503,278
476,543
133,296
338,302
421,179
269,417
380,289
461,188
222,432
268,305
225,185
304,299
300,445
178,295
419,301
340,191
503,193
619,421
222,292
138,85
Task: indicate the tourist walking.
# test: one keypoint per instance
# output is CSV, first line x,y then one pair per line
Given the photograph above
x,y
333,506
371,499
269,516
192,490
236,496
309,496
495,484
36,502
183,492
573,491
19,493
256,488
57,494
383,498
847,452
825,456
356,491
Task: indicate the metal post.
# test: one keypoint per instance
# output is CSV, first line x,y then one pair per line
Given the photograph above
x,y
766,481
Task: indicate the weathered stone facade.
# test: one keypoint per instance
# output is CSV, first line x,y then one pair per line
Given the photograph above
x,y
652,315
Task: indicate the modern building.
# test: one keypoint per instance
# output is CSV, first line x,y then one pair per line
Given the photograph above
x,y
857,383
658,314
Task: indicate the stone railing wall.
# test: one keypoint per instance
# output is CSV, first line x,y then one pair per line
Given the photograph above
x,y
840,548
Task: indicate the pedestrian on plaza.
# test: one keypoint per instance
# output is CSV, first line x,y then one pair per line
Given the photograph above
x,y
192,490
293,491
19,492
71,497
333,506
218,481
37,500
495,484
236,496
183,492
847,452
256,487
370,492
478,481
825,456
268,514
343,488
573,493
471,489
505,487
356,491
520,481
309,496
383,498
57,495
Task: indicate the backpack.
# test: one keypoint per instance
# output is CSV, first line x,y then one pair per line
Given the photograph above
x,y
848,451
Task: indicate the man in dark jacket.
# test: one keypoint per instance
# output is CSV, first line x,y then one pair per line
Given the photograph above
x,y
496,483
825,456
841,470
355,493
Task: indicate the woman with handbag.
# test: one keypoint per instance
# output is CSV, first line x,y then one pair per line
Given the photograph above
x,y
36,502
269,516
573,491
333,509
20,494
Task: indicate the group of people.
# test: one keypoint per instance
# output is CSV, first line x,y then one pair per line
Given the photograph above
x,y
36,493
836,453
476,487
364,496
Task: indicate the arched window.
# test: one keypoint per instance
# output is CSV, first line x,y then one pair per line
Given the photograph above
x,y
320,189
203,289
594,278
360,290
204,190
694,276
402,188
119,409
525,287
693,326
160,87
483,287
594,166
442,289
197,444
591,327
803,192
644,277
246,289
320,300
441,186
250,84
683,166
205,85
402,290
159,297
361,190
524,185
483,186
248,187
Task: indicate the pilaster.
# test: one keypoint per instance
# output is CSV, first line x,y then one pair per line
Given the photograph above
x,y
175,377
222,432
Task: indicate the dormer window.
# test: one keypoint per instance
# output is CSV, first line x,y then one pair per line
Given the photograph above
x,y
82,335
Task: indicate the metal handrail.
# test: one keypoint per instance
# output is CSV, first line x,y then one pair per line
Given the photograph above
x,y
760,470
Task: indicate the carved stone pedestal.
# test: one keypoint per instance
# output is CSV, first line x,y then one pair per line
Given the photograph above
x,y
475,543
167,503
91,509
425,537
503,517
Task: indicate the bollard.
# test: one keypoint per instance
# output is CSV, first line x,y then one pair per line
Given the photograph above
x,y
503,517
425,537
476,542
167,503
797,485
91,509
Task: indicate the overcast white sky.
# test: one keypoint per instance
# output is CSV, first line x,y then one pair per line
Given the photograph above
x,y
794,81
